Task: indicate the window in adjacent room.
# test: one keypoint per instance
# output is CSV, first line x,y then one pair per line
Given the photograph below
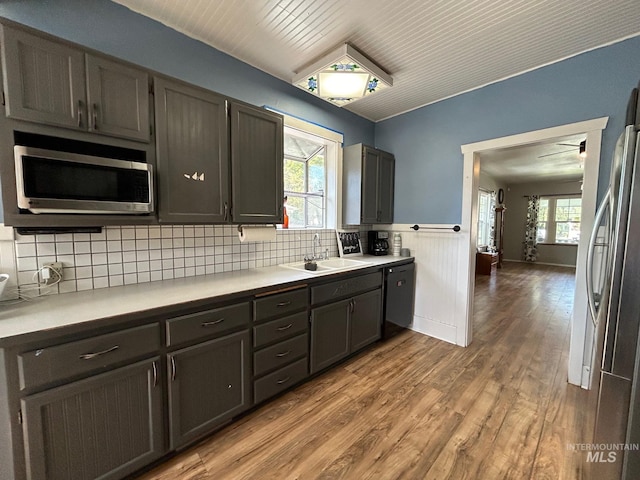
x,y
559,219
486,216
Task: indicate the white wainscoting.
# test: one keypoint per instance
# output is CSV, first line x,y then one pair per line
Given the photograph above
x,y
437,301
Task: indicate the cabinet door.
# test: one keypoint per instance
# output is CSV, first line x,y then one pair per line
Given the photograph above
x,y
105,427
257,161
366,319
370,207
329,334
209,383
386,173
44,80
192,161
118,99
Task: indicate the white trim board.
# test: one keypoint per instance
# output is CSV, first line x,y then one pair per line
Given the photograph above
x,y
580,336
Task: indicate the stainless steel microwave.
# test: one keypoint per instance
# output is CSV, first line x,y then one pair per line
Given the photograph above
x,y
50,181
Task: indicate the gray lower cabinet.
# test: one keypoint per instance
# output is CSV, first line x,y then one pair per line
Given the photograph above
x,y
192,154
209,384
280,341
366,320
257,162
51,82
105,426
329,334
352,320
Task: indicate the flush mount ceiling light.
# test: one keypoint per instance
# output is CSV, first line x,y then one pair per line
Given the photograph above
x,y
342,76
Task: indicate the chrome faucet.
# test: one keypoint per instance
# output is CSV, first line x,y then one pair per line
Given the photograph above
x,y
317,243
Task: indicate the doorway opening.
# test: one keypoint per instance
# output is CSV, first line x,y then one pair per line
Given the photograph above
x,y
591,131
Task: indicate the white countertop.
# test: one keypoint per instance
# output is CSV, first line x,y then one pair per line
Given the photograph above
x,y
63,310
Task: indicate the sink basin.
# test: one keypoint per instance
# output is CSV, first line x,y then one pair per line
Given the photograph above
x,y
300,267
342,263
327,266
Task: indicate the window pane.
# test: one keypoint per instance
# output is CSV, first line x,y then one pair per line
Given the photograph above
x,y
316,173
541,232
293,176
315,212
567,232
295,211
543,210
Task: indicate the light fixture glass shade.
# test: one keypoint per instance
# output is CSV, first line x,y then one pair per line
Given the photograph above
x,y
343,76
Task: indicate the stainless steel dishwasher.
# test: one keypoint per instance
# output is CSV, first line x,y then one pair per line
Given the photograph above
x,y
399,296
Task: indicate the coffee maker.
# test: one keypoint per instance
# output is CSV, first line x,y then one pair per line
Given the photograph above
x,y
378,242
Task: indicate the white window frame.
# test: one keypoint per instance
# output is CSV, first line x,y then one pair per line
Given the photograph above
x,y
551,223
333,166
489,218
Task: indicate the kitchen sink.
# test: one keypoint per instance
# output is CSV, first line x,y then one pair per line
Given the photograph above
x,y
300,266
342,263
328,266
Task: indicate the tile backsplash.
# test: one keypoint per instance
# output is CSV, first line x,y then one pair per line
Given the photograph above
x,y
127,255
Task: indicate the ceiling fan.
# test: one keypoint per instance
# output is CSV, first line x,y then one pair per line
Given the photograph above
x,y
582,149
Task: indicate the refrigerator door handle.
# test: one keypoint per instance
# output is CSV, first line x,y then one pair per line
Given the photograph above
x,y
591,295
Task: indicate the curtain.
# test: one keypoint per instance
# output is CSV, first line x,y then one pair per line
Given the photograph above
x,y
530,252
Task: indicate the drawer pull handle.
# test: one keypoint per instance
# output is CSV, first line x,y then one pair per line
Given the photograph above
x,y
286,327
214,322
284,380
284,304
283,354
89,356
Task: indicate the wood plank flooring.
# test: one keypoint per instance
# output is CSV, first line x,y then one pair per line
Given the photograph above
x,y
414,407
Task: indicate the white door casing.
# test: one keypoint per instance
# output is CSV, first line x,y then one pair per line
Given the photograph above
x,y
580,336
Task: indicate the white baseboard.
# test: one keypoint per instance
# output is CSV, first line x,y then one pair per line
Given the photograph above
x,y
539,263
434,329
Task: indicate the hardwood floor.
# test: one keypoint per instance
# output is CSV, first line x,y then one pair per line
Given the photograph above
x,y
414,407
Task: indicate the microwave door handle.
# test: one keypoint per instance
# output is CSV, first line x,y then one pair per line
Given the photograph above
x,y
591,295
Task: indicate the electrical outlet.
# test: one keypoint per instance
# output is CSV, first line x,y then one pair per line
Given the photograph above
x,y
52,272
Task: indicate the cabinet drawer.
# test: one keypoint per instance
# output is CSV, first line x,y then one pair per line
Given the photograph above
x,y
201,325
345,288
279,380
280,304
279,354
50,364
280,328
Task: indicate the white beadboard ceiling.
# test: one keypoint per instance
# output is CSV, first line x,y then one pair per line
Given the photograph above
x,y
434,49
556,161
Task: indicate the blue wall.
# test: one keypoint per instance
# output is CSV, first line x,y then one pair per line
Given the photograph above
x,y
113,29
426,142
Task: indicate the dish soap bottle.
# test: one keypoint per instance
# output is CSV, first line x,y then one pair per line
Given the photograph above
x,y
397,245
285,220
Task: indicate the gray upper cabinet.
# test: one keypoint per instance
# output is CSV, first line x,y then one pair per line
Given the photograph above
x,y
209,383
386,179
117,99
257,184
192,155
368,179
53,83
44,81
106,426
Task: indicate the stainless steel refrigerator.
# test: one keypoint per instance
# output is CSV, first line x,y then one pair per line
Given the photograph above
x,y
615,310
